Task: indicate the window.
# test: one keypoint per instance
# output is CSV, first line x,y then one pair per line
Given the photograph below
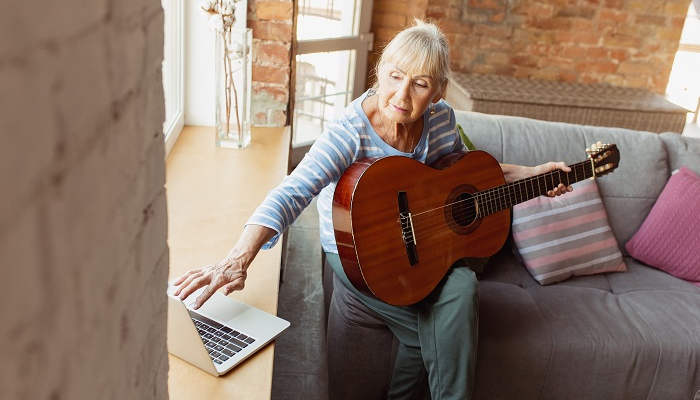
x,y
684,83
332,44
173,66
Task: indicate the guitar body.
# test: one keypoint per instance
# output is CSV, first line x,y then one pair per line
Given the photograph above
x,y
401,260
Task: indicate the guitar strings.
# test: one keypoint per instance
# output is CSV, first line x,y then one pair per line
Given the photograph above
x,y
493,199
492,195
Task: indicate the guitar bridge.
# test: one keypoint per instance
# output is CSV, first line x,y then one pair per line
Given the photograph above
x,y
407,231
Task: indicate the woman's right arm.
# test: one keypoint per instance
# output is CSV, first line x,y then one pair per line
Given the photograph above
x,y
229,273
325,162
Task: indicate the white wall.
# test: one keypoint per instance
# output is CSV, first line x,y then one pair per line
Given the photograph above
x,y
199,63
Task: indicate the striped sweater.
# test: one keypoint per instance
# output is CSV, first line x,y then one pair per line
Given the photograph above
x,y
347,139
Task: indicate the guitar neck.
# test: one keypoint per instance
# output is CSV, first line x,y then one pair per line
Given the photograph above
x,y
499,198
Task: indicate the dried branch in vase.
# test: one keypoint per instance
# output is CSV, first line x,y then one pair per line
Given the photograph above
x,y
221,15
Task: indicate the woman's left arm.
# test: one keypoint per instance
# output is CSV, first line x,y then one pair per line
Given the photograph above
x,y
514,172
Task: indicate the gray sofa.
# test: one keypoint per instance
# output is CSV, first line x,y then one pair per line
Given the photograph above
x,y
630,335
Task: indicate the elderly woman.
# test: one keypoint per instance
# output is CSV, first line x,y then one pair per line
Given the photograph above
x,y
403,114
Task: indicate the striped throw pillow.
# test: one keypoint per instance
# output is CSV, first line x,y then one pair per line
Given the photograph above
x,y
566,235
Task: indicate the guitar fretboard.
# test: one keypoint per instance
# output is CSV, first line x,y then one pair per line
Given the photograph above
x,y
493,200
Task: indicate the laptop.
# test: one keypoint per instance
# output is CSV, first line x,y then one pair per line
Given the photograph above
x,y
221,334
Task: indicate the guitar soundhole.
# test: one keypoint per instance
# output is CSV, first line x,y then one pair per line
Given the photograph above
x,y
463,211
460,214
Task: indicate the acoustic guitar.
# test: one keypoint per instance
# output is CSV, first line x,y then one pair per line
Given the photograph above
x,y
400,224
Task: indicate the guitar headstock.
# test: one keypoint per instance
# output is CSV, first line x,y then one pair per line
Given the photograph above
x,y
606,157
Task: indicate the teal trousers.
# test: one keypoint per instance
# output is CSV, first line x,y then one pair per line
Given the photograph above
x,y
439,334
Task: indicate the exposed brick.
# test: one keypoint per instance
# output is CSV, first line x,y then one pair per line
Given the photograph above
x,y
491,43
616,4
389,6
498,58
277,117
657,20
278,93
616,16
389,20
501,32
268,52
534,9
525,60
619,54
670,35
597,52
544,39
576,37
574,51
547,73
260,119
579,10
555,23
497,18
678,22
645,6
494,5
275,10
523,72
597,66
451,25
568,76
676,7
636,69
384,35
621,40
436,12
271,30
269,74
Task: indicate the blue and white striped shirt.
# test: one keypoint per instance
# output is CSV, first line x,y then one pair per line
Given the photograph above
x,y
347,139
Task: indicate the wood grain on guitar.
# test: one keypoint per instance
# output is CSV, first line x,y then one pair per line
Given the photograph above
x,y
400,224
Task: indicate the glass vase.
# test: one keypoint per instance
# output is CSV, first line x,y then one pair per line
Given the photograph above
x,y
232,77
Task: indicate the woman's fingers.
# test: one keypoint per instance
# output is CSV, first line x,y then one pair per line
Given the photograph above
x,y
187,281
215,285
237,284
194,285
185,275
559,190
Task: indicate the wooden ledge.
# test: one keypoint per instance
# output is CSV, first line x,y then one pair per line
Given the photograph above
x,y
211,192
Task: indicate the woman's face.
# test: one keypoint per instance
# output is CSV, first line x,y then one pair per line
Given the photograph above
x,y
402,97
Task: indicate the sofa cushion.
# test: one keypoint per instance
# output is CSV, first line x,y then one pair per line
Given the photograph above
x,y
610,336
566,235
628,193
669,237
683,151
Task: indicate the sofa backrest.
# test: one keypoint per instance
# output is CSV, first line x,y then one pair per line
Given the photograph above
x,y
647,159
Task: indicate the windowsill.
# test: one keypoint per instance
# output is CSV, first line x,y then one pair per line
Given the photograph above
x,y
211,192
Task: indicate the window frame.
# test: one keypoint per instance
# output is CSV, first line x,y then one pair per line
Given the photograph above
x,y
173,13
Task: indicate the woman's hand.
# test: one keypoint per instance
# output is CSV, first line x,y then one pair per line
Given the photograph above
x,y
513,173
229,273
552,166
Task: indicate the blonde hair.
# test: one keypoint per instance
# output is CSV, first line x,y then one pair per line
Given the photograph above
x,y
421,48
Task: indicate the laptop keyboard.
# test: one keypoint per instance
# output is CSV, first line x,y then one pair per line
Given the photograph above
x,y
221,341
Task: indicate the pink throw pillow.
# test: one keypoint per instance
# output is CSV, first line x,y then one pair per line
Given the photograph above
x,y
669,238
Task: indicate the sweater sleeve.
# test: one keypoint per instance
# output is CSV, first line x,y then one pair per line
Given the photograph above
x,y
330,155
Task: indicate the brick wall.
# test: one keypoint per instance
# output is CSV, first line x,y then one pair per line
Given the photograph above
x,y
271,22
628,43
83,216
